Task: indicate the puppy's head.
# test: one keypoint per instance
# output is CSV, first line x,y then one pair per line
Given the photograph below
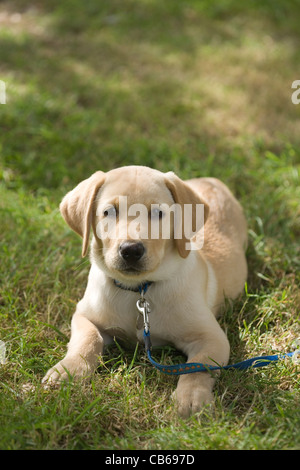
x,y
137,217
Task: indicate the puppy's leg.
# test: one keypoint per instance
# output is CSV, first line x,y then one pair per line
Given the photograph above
x,y
195,390
84,349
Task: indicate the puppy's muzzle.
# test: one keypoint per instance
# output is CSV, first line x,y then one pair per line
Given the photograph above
x,y
131,252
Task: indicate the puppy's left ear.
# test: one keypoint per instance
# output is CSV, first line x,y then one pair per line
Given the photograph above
x,y
77,206
183,194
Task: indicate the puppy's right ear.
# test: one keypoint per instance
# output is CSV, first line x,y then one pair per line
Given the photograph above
x,y
77,206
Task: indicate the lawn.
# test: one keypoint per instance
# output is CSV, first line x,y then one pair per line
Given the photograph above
x,y
202,88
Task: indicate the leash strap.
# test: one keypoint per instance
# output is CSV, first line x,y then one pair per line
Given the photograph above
x,y
190,367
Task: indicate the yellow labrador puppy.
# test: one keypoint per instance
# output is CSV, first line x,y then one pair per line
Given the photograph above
x,y
190,264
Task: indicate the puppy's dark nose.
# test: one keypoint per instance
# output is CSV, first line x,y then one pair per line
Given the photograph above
x,y
131,251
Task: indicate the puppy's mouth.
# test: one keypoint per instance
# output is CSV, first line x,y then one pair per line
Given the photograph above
x,y
131,270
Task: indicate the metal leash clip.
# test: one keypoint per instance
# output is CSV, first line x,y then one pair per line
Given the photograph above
x,y
144,308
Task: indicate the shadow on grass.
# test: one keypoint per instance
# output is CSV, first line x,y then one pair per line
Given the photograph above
x,y
99,85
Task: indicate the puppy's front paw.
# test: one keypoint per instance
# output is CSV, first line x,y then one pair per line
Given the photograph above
x,y
190,397
65,370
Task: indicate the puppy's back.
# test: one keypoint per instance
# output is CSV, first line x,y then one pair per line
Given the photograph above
x,y
225,236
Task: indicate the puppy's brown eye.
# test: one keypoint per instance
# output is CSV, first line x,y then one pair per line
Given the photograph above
x,y
110,212
157,213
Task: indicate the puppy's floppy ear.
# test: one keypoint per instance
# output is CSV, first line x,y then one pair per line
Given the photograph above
x,y
77,206
183,194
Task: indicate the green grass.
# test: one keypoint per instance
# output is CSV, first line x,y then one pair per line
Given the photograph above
x,y
200,88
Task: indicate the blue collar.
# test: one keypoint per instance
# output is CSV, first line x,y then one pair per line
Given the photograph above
x,y
140,288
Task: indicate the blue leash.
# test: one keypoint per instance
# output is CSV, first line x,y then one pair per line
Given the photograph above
x,y
190,367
